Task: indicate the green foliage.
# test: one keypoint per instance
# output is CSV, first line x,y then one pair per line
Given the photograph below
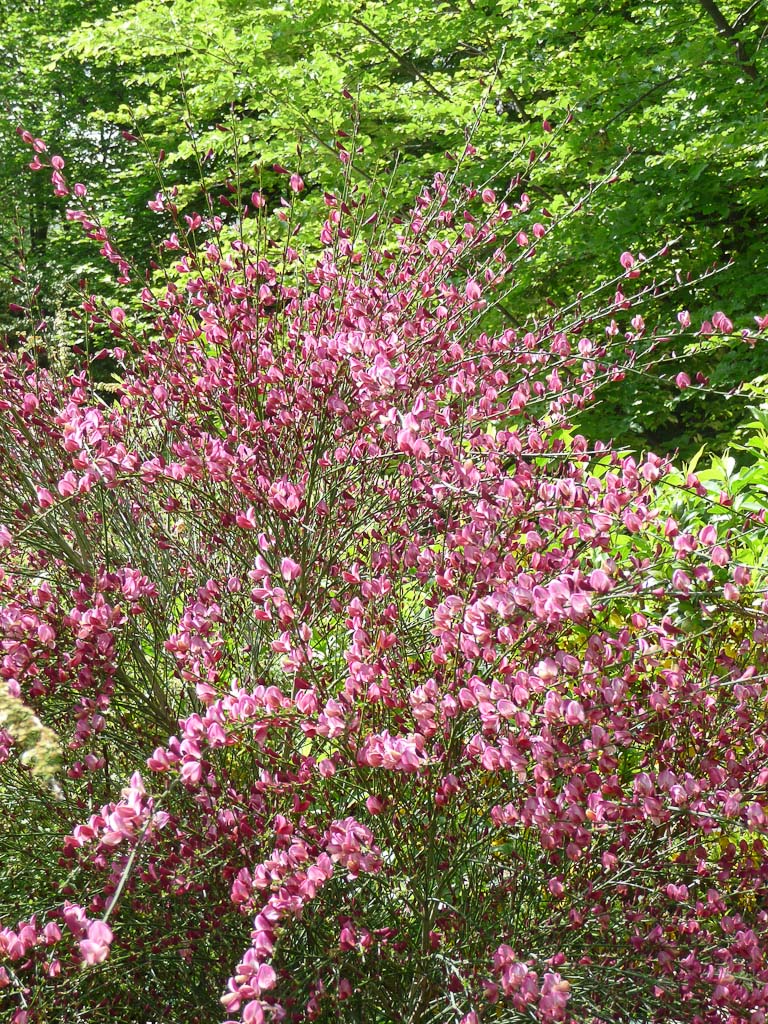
x,y
55,97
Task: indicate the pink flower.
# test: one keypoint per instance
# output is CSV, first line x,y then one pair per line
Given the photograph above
x,y
719,555
600,581
721,323
289,569
247,520
95,948
253,1012
708,534
265,978
627,260
574,713
67,485
741,575
44,497
473,291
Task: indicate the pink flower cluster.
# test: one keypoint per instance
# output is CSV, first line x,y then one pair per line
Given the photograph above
x,y
427,704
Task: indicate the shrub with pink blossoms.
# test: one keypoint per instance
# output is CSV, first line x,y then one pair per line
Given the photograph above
x,y
376,684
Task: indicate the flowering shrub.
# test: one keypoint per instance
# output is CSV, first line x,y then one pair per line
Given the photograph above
x,y
376,688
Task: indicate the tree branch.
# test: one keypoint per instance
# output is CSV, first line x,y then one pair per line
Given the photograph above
x,y
730,31
639,99
746,16
400,58
717,16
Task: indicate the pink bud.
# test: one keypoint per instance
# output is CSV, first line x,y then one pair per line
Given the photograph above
x,y
296,183
683,381
556,887
627,260
489,196
374,804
